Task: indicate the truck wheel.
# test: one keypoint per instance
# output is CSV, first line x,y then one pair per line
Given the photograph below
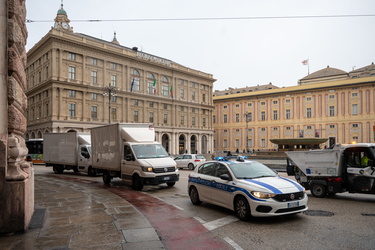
x,y
191,166
91,172
75,169
242,208
58,169
318,190
107,177
194,196
137,183
171,184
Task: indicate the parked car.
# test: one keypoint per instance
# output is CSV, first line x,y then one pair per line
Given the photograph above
x,y
247,187
189,161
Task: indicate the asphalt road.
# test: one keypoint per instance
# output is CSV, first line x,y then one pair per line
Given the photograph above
x,y
343,221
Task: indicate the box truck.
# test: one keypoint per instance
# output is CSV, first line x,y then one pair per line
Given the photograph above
x,y
342,168
129,151
68,151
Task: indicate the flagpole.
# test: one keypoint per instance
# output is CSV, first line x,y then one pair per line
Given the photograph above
x,y
308,66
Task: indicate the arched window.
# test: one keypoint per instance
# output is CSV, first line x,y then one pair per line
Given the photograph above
x,y
136,79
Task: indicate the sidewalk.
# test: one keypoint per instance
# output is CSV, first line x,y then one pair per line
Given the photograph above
x,y
78,215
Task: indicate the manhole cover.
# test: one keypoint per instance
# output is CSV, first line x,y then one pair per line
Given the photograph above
x,y
368,214
318,213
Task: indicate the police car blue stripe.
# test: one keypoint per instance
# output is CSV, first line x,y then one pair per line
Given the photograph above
x,y
300,188
273,189
223,187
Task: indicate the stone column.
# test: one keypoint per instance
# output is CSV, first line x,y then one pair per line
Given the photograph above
x,y
16,176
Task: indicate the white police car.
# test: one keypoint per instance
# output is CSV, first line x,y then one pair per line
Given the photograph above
x,y
247,187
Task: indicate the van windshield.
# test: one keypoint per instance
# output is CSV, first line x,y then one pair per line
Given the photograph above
x,y
147,151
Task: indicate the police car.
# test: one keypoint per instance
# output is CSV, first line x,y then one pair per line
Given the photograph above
x,y
247,187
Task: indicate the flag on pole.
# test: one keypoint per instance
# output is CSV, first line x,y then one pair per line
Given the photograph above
x,y
305,62
131,86
171,91
154,85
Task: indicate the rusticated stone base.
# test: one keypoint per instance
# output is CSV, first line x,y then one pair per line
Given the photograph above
x,y
17,204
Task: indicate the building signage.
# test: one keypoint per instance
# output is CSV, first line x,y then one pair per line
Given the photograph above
x,y
154,58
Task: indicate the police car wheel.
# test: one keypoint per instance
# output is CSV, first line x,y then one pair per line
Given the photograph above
x,y
194,196
242,208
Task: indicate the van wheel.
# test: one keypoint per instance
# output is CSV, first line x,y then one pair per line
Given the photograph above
x,y
318,190
137,183
191,166
91,172
242,208
107,177
194,196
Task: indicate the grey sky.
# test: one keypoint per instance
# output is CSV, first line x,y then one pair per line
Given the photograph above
x,y
238,53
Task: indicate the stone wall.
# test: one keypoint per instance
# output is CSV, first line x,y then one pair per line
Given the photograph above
x,y
16,176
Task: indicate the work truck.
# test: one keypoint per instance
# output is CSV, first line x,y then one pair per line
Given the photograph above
x,y
342,168
68,151
129,151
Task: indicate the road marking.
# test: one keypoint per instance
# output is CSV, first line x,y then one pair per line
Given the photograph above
x,y
220,222
199,220
178,207
232,243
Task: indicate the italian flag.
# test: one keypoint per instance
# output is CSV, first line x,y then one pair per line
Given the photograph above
x,y
171,91
154,84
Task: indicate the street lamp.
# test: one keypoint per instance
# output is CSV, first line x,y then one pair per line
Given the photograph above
x,y
109,91
247,117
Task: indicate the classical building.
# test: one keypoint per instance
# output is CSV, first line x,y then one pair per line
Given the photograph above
x,y
76,82
329,103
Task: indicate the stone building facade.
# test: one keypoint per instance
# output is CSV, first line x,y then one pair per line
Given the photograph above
x,y
76,82
329,103
16,176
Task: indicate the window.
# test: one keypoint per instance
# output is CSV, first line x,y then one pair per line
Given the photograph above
x,y
151,104
135,102
331,96
249,117
135,115
151,84
308,99
182,121
203,97
71,56
237,117
263,116
113,66
182,108
94,61
193,95
287,101
225,143
207,169
263,129
193,121
354,94
308,113
274,102
275,115
287,114
151,117
275,129
72,110
94,77
165,118
225,107
46,71
182,94
113,80
135,84
72,93
114,99
46,110
94,96
165,106
355,125
354,109
263,103
164,89
225,118
331,110
263,143
309,127
72,73
113,113
94,112
287,128
249,104
204,122
331,126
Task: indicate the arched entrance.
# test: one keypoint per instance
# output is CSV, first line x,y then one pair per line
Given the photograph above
x,y
193,144
165,142
204,144
181,144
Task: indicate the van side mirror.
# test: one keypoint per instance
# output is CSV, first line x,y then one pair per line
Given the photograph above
x,y
129,157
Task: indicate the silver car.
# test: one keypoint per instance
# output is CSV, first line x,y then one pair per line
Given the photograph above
x,y
189,161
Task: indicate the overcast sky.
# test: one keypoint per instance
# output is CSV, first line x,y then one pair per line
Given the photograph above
x,y
237,52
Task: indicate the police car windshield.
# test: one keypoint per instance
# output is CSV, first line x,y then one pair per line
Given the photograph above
x,y
251,170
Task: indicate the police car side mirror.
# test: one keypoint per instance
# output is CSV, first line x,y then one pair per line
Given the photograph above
x,y
225,177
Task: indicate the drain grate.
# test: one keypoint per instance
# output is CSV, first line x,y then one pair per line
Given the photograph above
x,y
318,213
37,220
368,214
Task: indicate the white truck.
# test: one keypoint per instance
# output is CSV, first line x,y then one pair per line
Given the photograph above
x,y
342,168
129,151
68,151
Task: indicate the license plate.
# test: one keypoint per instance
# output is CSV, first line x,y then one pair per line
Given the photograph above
x,y
166,178
293,204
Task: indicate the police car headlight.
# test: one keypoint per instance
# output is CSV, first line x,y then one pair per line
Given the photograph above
x,y
147,169
262,195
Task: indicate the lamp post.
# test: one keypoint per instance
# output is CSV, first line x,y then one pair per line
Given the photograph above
x,y
247,117
109,91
